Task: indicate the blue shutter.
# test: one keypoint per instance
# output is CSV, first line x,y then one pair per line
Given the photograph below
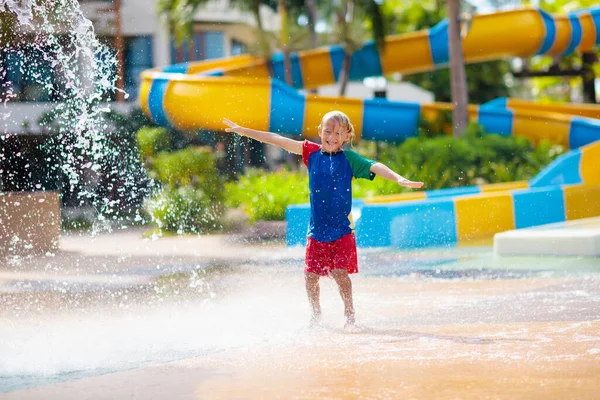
x,y
213,45
138,57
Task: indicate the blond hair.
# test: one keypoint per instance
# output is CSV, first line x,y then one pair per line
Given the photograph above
x,y
342,119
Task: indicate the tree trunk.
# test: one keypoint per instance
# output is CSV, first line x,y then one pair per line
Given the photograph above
x,y
345,72
262,39
588,77
458,78
311,12
285,42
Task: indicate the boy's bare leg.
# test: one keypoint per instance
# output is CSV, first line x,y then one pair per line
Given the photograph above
x,y
345,285
314,293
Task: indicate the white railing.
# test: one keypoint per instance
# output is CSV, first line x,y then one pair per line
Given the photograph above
x,y
23,117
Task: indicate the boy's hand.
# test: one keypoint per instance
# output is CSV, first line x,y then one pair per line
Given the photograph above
x,y
409,184
233,127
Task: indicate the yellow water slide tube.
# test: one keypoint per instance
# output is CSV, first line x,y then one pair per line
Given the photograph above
x,y
198,95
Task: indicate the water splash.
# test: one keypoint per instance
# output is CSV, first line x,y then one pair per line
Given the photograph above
x,y
52,44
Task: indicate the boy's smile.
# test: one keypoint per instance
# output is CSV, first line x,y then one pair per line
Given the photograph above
x,y
332,139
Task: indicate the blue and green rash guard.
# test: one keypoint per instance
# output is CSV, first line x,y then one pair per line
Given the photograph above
x,y
330,183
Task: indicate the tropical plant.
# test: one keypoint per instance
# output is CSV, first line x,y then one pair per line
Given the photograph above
x,y
264,196
179,15
350,18
190,196
152,140
185,209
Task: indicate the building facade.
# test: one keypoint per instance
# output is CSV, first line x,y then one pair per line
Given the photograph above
x,y
219,31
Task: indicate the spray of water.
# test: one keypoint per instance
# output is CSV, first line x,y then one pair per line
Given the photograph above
x,y
52,44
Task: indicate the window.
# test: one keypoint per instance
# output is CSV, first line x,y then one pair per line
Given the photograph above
x,y
138,57
137,51
238,48
214,45
202,46
26,74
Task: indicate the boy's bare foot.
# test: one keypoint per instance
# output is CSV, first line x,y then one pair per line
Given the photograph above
x,y
315,320
350,322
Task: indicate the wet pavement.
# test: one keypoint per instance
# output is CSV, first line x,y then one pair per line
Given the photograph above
x,y
119,316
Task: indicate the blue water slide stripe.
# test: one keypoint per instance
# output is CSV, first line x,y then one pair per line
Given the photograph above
x,y
373,227
583,131
538,206
595,13
562,171
277,62
438,43
180,68
297,218
431,194
297,77
576,34
365,62
336,55
550,36
393,224
500,102
286,109
156,96
436,220
389,121
277,66
496,120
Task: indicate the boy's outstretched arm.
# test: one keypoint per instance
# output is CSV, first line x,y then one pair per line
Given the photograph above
x,y
386,173
291,145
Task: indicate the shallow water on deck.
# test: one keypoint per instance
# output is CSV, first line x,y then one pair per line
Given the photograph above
x,y
435,310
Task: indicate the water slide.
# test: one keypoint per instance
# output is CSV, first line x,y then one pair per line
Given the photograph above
x,y
240,88
198,95
567,189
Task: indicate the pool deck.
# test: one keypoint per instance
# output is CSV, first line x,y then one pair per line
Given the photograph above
x,y
570,238
417,337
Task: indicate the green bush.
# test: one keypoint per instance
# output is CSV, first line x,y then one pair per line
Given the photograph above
x,y
193,166
264,196
191,194
185,209
152,140
441,124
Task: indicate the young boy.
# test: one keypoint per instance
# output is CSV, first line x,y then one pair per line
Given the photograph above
x,y
331,246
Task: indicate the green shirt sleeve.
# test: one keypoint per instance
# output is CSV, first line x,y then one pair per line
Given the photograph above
x,y
361,167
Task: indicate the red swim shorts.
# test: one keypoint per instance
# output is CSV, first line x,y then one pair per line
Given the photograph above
x,y
322,257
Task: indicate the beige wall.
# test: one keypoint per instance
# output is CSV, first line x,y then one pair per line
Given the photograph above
x,y
29,222
242,33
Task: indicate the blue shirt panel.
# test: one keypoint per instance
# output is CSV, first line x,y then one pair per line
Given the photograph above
x,y
330,184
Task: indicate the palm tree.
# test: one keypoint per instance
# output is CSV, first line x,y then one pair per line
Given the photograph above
x,y
284,38
312,15
345,13
458,77
179,15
